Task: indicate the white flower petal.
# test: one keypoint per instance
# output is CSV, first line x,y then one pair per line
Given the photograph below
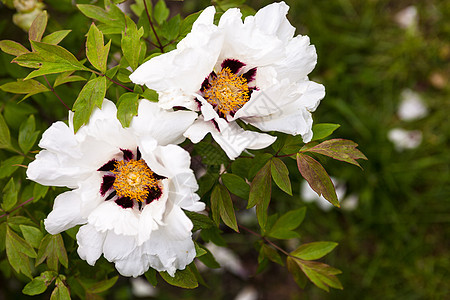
x,y
110,216
90,243
181,67
116,247
134,264
300,60
272,20
164,126
66,212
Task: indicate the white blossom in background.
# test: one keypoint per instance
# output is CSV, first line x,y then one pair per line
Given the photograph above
x,y
247,293
348,203
141,288
254,70
129,187
411,107
227,260
405,139
407,18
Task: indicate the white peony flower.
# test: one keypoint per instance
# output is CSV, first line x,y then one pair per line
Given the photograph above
x,y
411,106
407,18
129,186
405,139
255,71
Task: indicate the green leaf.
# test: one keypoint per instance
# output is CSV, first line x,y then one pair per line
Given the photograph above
x,y
61,292
13,48
56,37
131,43
150,95
340,149
5,138
321,131
67,77
315,250
49,59
171,29
284,226
236,185
91,96
317,178
208,258
38,27
18,251
32,235
210,153
39,284
150,275
199,251
9,166
200,221
296,272
322,275
261,187
9,195
27,134
270,253
30,87
35,287
96,51
39,191
52,248
186,24
161,12
280,175
183,278
127,108
102,286
221,198
113,20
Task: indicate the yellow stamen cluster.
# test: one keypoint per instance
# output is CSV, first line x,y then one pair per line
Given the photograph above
x,y
227,92
133,179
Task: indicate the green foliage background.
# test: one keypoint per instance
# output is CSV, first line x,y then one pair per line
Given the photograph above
x,y
395,245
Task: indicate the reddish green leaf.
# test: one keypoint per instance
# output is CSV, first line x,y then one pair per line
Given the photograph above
x,y
268,252
296,271
13,48
91,96
30,87
38,27
315,250
317,178
96,51
340,149
131,43
322,275
52,248
18,251
261,186
61,292
280,175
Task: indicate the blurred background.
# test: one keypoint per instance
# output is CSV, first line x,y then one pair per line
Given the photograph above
x,y
386,69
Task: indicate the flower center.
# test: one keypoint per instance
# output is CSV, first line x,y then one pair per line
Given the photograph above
x,y
134,179
227,92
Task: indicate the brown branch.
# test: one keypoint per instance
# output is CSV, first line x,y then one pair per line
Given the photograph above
x,y
112,80
161,47
17,207
266,240
54,92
